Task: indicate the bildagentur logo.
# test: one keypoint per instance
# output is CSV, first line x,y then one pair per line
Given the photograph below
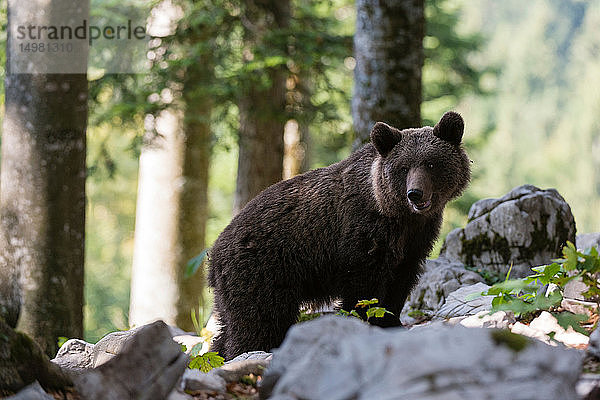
x,y
44,34
69,37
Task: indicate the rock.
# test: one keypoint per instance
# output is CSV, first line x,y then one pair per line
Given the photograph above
x,y
574,289
23,362
585,241
147,366
32,392
457,304
177,395
215,380
189,341
483,319
543,325
316,361
75,354
252,355
588,387
194,380
594,344
232,372
579,307
526,227
440,278
110,345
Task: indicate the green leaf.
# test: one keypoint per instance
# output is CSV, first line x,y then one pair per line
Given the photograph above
x,y
196,349
571,256
377,312
194,264
566,319
206,361
364,303
61,340
183,348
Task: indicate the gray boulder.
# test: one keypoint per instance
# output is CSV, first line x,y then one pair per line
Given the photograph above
x,y
526,227
339,358
458,303
148,365
75,354
440,278
32,392
587,240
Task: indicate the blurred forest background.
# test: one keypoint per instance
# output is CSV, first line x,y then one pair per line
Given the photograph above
x,y
524,75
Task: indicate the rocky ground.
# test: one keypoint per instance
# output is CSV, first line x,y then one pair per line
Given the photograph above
x,y
451,347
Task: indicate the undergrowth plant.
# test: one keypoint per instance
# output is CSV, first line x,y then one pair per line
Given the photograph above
x,y
543,291
370,310
198,360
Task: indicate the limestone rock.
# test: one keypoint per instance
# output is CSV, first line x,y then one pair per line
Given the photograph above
x,y
254,362
194,380
440,278
594,344
483,319
32,392
543,325
586,240
457,303
75,354
147,366
317,362
526,227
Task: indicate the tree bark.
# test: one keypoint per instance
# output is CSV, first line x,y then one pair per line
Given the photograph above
x,y
262,109
170,219
172,207
42,199
388,47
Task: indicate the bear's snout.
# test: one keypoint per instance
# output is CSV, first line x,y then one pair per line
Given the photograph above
x,y
415,195
418,190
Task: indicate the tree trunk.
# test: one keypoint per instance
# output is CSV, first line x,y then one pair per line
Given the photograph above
x,y
388,47
42,195
262,110
172,207
170,219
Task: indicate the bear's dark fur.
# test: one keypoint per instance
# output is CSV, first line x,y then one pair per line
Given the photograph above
x,y
358,229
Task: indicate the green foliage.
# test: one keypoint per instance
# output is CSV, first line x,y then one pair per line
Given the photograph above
x,y
195,263
528,295
368,308
304,316
205,362
490,277
61,340
509,339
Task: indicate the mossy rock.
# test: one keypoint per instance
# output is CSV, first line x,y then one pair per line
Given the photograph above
x,y
525,228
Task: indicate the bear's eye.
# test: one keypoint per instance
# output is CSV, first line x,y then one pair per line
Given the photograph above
x,y
404,170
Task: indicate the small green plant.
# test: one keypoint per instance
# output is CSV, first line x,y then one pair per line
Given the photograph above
x,y
205,362
209,360
194,264
307,316
370,309
528,295
61,340
490,277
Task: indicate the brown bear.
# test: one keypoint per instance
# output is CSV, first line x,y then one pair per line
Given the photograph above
x,y
358,229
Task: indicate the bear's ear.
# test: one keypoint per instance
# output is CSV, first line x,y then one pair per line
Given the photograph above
x,y
450,128
384,138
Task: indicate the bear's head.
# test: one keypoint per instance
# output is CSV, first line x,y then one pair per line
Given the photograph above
x,y
419,170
